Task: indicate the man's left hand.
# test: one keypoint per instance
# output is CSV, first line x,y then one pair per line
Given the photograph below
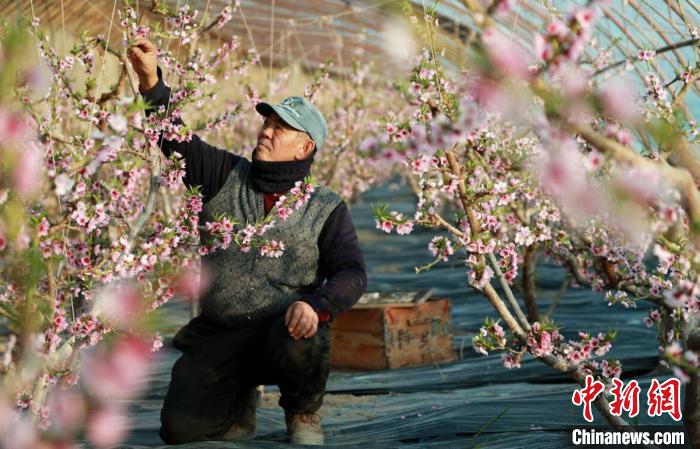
x,y
301,320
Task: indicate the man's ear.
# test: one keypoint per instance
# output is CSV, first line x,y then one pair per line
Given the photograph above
x,y
306,150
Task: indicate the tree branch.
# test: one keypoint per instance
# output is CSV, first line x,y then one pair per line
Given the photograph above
x,y
475,228
117,88
558,297
658,51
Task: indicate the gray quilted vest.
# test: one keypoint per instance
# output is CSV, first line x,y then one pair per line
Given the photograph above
x,y
248,286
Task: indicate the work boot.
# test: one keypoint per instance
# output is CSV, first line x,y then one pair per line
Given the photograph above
x,y
244,427
304,428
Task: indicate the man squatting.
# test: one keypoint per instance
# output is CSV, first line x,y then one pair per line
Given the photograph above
x,y
263,320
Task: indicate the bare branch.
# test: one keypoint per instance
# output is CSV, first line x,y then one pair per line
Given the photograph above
x,y
558,297
691,411
105,97
658,51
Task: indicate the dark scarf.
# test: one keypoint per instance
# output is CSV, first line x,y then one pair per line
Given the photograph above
x,y
275,177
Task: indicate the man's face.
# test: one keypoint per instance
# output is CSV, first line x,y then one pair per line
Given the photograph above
x,y
277,141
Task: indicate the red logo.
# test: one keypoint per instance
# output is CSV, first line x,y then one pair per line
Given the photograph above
x,y
661,397
586,395
626,398
665,398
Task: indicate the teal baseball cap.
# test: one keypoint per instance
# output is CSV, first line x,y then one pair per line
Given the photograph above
x,y
301,114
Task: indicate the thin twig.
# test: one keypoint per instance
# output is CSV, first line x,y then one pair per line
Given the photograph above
x,y
558,297
657,51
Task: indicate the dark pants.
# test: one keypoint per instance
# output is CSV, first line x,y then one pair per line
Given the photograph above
x,y
220,368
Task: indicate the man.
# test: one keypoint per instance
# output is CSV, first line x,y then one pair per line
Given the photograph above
x,y
263,320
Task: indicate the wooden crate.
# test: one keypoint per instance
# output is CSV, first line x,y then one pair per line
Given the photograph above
x,y
380,336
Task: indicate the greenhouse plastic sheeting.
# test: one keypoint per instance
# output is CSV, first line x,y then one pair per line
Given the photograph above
x,y
473,401
508,415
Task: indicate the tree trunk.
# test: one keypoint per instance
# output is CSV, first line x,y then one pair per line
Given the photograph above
x,y
692,394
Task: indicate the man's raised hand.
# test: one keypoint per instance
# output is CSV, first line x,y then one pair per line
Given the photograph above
x,y
301,320
143,56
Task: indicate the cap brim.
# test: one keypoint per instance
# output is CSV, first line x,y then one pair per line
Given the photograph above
x,y
266,109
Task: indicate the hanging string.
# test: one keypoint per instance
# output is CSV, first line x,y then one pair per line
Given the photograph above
x,y
63,24
354,10
102,66
301,46
515,22
250,35
272,40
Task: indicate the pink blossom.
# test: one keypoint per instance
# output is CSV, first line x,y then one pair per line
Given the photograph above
x,y
28,171
118,123
557,29
224,17
420,165
669,214
191,283
284,212
440,247
540,342
595,160
120,304
157,343
603,349
13,128
121,372
67,409
479,348
510,362
503,7
585,17
610,369
673,350
22,434
618,100
646,55
506,55
683,295
107,427
498,331
524,236
575,49
666,259
404,228
60,322
680,374
272,249
385,226
543,50
485,278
